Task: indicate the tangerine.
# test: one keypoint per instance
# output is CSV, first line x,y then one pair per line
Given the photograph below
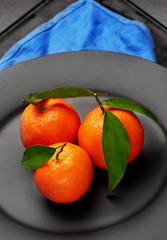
x,y
67,179
90,134
59,122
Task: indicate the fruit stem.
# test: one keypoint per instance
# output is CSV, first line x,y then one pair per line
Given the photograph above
x,y
42,109
61,149
99,102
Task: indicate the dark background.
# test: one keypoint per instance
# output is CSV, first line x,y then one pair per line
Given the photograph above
x,y
18,18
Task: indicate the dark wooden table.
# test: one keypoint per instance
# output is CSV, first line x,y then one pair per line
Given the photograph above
x,y
18,18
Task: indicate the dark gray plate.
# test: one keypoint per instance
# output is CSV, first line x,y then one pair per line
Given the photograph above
x,y
137,208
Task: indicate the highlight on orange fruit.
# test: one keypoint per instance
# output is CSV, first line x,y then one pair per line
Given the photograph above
x,y
90,133
67,176
57,122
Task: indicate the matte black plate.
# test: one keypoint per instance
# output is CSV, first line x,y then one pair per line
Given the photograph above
x,y
137,208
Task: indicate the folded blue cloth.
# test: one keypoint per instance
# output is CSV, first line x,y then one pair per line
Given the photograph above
x,y
84,25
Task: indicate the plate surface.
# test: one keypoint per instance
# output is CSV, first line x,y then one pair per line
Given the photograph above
x,y
139,198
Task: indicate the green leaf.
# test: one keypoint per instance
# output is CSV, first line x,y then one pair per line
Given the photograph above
x,y
62,92
126,104
116,148
31,96
36,155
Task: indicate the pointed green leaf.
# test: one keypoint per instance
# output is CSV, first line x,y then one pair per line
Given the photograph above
x,y
116,148
133,106
37,155
126,104
31,96
62,92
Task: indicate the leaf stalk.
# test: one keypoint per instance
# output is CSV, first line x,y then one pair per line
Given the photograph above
x,y
42,109
99,102
61,149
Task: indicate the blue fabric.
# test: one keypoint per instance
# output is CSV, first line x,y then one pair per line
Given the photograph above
x,y
84,25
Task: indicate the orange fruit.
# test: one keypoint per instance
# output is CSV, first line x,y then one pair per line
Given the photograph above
x,y
69,178
59,122
90,134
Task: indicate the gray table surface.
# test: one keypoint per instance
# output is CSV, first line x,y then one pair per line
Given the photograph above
x,y
12,10
155,8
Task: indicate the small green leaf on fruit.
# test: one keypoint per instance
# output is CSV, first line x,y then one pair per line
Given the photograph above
x,y
37,155
31,96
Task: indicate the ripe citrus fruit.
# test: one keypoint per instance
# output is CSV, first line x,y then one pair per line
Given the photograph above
x,y
90,134
69,178
59,122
